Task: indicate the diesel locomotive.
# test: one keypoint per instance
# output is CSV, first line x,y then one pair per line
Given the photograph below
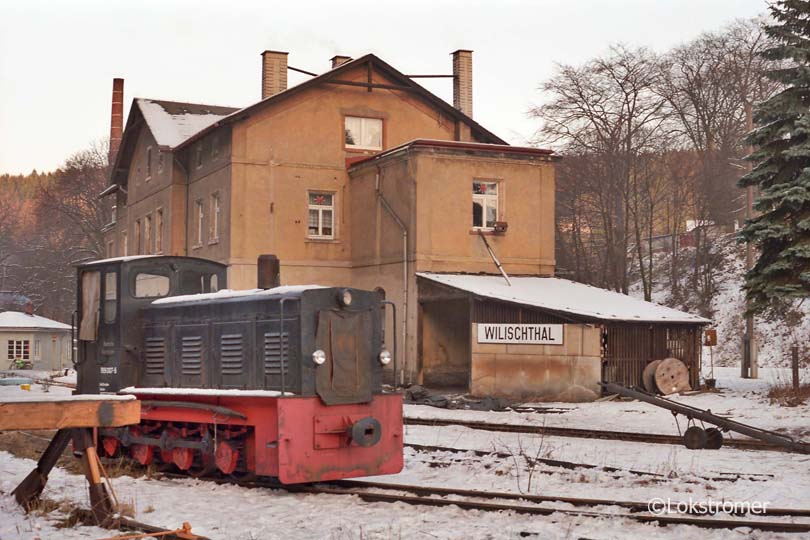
x,y
280,381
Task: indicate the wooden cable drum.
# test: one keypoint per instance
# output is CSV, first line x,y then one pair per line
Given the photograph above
x,y
648,377
671,376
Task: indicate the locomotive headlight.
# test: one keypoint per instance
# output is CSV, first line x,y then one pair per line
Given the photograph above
x,y
319,357
345,297
385,357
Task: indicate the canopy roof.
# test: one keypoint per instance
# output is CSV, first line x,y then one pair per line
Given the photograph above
x,y
564,296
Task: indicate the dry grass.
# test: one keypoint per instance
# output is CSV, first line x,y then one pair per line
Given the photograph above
x,y
782,393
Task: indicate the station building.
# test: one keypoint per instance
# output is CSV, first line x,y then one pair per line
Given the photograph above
x,y
361,177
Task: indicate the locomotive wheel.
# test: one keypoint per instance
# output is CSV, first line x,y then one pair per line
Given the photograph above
x,y
142,453
714,438
111,446
695,438
183,458
227,456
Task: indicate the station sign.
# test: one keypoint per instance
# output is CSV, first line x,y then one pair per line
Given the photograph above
x,y
521,334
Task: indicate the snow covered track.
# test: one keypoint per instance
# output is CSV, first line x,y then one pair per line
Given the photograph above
x,y
420,495
656,438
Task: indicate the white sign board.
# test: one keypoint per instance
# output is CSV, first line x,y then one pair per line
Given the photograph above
x,y
525,334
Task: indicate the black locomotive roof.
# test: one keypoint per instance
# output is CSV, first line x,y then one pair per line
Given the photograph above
x,y
132,258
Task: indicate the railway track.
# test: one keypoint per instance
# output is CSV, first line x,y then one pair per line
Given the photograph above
x,y
724,477
655,438
486,501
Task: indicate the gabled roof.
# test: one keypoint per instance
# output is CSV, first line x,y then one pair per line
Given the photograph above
x,y
566,297
172,122
15,319
401,81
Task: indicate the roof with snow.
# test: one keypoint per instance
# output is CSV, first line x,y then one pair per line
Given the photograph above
x,y
226,294
172,122
12,320
564,296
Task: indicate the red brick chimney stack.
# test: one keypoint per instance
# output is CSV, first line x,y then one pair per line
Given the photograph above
x,y
28,309
274,73
338,60
116,118
462,81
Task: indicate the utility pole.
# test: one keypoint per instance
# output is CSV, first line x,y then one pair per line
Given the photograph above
x,y
752,370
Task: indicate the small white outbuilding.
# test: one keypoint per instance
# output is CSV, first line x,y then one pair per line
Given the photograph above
x,y
43,342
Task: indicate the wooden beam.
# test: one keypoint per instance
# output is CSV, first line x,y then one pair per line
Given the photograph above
x,y
373,85
69,413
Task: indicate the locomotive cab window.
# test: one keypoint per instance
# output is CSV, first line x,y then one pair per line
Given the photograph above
x,y
151,285
110,296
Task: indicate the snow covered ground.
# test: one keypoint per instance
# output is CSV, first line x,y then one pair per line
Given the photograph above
x,y
231,512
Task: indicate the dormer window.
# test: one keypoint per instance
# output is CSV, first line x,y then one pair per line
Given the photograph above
x,y
363,133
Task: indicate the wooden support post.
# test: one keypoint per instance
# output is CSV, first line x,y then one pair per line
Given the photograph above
x,y
794,363
31,488
100,502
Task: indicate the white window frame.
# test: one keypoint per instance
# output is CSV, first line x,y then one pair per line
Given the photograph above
x,y
364,121
147,234
159,230
16,349
216,209
124,244
320,208
199,206
160,161
486,201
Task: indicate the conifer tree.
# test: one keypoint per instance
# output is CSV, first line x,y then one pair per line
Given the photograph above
x,y
781,230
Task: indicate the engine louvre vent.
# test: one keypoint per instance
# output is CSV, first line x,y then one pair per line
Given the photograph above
x,y
231,354
155,355
191,355
274,345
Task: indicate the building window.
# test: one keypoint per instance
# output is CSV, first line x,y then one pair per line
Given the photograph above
x,y
138,243
37,349
160,161
485,204
148,163
114,214
213,235
110,249
159,230
215,146
363,133
199,215
320,221
124,245
147,234
19,349
199,156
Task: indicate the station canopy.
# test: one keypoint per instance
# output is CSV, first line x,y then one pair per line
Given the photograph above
x,y
565,297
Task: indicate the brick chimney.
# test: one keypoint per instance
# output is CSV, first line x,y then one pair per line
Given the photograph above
x,y
462,81
28,309
116,118
339,60
274,73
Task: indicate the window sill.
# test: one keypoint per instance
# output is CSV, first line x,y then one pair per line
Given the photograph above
x,y
213,242
310,240
196,246
359,150
486,232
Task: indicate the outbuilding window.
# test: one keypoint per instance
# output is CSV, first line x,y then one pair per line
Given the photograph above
x,y
363,133
485,204
19,349
320,221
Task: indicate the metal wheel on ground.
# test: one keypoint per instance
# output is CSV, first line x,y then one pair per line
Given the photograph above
x,y
695,438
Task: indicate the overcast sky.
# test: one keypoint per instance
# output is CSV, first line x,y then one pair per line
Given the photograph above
x,y
58,58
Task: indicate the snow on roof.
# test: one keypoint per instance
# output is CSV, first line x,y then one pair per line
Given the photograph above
x,y
171,122
229,293
562,295
16,319
118,259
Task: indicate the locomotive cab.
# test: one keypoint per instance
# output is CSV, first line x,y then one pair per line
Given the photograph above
x,y
110,296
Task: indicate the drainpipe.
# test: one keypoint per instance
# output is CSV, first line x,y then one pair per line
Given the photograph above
x,y
401,224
